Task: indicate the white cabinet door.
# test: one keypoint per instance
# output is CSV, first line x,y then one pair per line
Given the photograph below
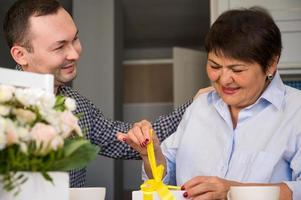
x,y
280,10
189,73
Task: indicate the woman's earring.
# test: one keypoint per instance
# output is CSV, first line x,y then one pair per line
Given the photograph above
x,y
270,77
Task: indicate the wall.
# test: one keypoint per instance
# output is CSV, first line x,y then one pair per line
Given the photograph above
x,y
97,79
152,29
5,58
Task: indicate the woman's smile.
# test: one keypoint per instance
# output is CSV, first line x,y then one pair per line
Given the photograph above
x,y
230,90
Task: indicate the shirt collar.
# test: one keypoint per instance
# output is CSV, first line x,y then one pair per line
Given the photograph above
x,y
18,67
274,93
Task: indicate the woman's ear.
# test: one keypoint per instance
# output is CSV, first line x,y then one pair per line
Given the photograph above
x,y
19,55
273,65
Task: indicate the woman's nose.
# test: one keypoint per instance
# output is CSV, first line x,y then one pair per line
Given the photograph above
x,y
225,77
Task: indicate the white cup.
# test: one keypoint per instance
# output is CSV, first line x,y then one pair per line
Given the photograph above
x,y
253,192
91,193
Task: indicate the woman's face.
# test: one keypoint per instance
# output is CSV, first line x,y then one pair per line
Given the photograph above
x,y
238,83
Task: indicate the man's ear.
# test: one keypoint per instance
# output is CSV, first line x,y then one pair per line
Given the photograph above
x,y
19,54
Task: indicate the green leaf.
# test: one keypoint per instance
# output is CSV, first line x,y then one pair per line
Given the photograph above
x,y
72,145
80,115
47,176
80,154
59,103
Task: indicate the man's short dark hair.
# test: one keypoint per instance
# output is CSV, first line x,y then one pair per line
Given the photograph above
x,y
250,35
16,22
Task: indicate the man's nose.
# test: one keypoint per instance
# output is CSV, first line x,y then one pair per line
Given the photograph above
x,y
73,53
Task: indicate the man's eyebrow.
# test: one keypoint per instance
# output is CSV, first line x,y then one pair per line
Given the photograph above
x,y
63,41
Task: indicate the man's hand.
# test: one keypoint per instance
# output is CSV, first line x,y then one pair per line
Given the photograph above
x,y
202,91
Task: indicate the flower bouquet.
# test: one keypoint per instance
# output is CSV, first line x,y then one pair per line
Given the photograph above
x,y
38,133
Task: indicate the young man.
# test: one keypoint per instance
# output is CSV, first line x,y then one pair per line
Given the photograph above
x,y
43,38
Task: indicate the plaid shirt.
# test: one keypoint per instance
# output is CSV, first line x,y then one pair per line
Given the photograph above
x,y
102,131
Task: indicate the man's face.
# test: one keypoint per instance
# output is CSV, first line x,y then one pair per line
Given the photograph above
x,y
56,46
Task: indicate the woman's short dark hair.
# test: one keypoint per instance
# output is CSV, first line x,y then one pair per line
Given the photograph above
x,y
250,35
16,21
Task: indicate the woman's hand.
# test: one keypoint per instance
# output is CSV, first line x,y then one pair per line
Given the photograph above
x,y
207,188
139,136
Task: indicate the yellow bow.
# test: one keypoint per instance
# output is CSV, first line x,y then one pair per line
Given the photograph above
x,y
156,184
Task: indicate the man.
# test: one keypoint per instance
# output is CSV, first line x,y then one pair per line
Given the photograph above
x,y
43,38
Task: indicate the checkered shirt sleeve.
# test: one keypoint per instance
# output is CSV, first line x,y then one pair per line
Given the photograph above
x,y
102,131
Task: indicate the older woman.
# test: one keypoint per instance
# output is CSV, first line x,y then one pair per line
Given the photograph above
x,y
247,131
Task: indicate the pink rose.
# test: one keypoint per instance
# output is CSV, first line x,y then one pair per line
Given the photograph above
x,y
24,116
57,143
69,123
11,137
42,134
11,133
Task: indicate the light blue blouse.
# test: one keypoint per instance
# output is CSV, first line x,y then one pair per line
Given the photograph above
x,y
265,147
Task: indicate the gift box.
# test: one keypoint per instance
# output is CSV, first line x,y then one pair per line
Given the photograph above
x,y
138,195
151,187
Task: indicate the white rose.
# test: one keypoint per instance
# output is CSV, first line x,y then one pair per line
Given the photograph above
x,y
23,133
6,93
4,110
70,104
29,96
53,118
46,102
23,147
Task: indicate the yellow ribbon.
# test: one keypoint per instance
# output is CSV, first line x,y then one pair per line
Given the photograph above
x,y
156,184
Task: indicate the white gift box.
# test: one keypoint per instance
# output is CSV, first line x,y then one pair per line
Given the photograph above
x,y
138,195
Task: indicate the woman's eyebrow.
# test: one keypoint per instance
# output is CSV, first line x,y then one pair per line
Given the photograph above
x,y
229,66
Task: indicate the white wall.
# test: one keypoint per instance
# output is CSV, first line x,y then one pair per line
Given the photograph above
x,y
96,75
